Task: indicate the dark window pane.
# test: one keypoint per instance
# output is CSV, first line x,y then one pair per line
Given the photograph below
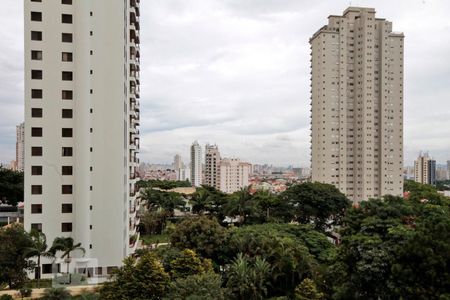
x,y
66,208
67,76
36,131
36,55
36,208
67,95
66,38
36,94
66,189
36,35
67,132
36,112
36,16
66,227
36,226
36,151
67,170
36,74
67,56
66,18
67,151
67,114
36,170
36,189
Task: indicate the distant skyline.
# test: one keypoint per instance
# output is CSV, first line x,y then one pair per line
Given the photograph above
x,y
236,73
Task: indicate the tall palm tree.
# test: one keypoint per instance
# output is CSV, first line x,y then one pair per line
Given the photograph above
x,y
67,246
201,201
38,249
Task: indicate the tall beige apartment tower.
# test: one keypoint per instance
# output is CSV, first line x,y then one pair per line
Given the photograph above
x,y
20,146
212,166
357,105
81,125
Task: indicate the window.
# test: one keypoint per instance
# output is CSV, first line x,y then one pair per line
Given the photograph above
x,y
67,170
67,151
67,114
36,208
36,55
36,0
36,151
66,1
67,132
67,95
47,269
36,16
67,56
67,76
66,208
36,74
36,226
36,35
66,189
36,94
36,131
36,170
36,189
66,227
66,18
36,112
66,38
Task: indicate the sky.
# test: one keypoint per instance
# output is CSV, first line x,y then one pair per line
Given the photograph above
x,y
236,73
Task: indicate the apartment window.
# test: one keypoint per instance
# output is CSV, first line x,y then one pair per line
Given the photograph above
x,y
36,170
67,76
66,18
67,38
36,131
36,74
66,227
36,16
36,55
36,94
36,226
67,95
36,0
67,170
66,2
66,208
67,132
36,151
66,189
36,35
67,114
36,112
36,208
67,56
36,189
67,151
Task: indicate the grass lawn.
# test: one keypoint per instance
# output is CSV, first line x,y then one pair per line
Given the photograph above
x,y
152,239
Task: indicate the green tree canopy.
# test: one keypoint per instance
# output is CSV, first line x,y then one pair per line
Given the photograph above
x,y
11,186
204,286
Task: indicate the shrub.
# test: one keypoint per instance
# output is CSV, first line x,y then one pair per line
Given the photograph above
x,y
25,292
6,297
56,294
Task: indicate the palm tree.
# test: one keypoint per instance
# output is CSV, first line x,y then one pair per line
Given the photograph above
x,y
201,201
38,249
67,246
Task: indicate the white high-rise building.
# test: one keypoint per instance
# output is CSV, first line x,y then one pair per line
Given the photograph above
x,y
177,162
212,166
20,146
81,124
196,164
234,175
425,169
357,105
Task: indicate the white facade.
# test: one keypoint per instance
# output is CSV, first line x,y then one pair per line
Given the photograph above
x,y
357,105
81,123
177,162
20,147
212,166
184,174
234,175
196,164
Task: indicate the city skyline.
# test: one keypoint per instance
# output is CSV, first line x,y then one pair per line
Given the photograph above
x,y
243,81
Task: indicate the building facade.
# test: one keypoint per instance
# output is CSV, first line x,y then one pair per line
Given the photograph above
x,y
20,147
81,124
177,162
234,175
357,105
425,169
196,164
212,166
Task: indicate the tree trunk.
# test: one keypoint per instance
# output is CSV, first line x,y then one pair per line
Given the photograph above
x,y
39,271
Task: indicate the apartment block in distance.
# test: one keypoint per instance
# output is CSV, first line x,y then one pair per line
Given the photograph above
x,y
425,169
234,175
357,105
196,164
20,147
212,166
81,125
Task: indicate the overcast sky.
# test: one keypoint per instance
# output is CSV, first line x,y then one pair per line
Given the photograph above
x,y
236,73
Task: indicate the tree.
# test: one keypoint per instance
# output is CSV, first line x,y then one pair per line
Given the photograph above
x,y
307,290
144,278
249,279
203,286
162,184
67,246
154,222
13,264
318,203
56,294
241,206
202,234
11,186
201,201
187,263
38,249
162,200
